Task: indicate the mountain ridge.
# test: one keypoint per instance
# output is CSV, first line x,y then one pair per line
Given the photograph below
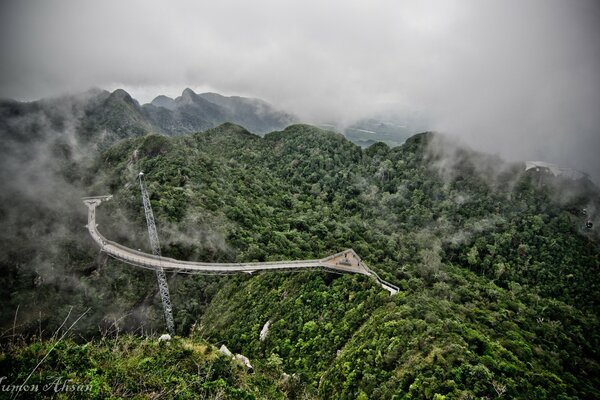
x,y
119,115
495,265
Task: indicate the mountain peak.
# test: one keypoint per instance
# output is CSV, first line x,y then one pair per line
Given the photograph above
x,y
122,95
188,93
164,101
187,97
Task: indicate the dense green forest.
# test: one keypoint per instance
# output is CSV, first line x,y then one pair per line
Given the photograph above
x,y
499,277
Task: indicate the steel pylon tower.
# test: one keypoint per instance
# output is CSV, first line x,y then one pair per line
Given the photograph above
x,y
163,287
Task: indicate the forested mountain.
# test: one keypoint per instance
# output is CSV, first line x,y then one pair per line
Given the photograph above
x,y
499,274
117,115
192,112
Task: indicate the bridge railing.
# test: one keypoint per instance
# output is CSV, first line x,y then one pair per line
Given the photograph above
x,y
152,261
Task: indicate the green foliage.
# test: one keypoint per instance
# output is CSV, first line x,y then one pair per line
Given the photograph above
x,y
129,365
499,282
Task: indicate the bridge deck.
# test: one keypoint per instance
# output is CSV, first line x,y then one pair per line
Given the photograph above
x,y
345,261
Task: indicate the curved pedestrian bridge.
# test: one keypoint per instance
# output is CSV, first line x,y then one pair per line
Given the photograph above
x,y
346,261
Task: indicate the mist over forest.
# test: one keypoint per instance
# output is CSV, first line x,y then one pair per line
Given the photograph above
x,y
451,145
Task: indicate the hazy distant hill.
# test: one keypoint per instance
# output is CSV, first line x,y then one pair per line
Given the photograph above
x,y
117,115
391,128
192,112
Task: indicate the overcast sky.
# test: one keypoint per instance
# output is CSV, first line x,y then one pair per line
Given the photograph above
x,y
518,78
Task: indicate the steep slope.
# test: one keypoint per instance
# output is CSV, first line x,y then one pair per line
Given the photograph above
x,y
193,112
470,322
119,115
499,276
254,114
134,367
32,121
165,102
98,117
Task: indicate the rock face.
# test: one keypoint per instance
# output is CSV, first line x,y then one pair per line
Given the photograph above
x,y
244,361
241,358
225,351
264,331
164,338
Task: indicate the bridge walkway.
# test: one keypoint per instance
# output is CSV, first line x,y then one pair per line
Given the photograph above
x,y
346,261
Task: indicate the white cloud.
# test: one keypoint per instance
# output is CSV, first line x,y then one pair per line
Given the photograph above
x,y
515,77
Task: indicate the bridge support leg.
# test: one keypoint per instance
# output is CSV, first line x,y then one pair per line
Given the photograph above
x,y
163,286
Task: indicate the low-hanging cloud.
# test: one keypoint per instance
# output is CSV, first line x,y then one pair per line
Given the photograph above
x,y
517,78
